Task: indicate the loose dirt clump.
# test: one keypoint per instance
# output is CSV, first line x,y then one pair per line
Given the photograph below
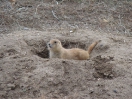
x,y
104,69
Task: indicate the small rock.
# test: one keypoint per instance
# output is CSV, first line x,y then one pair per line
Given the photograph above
x,y
25,28
114,91
91,91
71,31
23,8
12,86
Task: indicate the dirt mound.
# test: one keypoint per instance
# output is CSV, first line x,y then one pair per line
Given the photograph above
x,y
27,73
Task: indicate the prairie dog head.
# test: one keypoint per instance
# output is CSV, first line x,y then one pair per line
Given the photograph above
x,y
54,45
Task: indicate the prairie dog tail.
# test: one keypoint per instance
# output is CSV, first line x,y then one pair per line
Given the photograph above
x,y
91,47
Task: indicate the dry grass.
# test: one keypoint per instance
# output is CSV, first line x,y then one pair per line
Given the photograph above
x,y
102,15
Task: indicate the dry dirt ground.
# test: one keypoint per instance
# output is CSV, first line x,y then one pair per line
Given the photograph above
x,y
26,72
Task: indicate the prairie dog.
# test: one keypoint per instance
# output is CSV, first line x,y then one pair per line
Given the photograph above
x,y
56,50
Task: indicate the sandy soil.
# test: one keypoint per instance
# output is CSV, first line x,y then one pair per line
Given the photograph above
x,y
27,73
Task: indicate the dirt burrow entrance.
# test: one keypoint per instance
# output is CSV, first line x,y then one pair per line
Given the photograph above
x,y
40,47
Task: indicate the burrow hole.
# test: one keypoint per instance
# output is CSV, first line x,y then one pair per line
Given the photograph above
x,y
42,50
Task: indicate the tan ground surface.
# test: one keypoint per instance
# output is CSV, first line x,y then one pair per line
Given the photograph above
x,y
27,73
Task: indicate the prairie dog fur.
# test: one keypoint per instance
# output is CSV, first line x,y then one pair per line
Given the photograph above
x,y
56,50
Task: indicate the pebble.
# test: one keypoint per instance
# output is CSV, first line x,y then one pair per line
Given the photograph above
x,y
114,91
12,86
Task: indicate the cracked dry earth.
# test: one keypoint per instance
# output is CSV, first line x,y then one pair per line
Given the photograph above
x,y
27,73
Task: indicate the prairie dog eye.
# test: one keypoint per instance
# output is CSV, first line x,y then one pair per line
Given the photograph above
x,y
55,42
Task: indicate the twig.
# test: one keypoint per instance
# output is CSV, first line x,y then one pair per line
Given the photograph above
x,y
18,24
56,2
55,15
123,25
37,9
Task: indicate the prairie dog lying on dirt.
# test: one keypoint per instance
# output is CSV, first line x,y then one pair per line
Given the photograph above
x,y
56,50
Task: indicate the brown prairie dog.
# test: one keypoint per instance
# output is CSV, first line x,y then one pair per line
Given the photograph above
x,y
56,50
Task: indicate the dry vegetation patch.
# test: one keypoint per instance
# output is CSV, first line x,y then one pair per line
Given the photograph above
x,y
105,15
